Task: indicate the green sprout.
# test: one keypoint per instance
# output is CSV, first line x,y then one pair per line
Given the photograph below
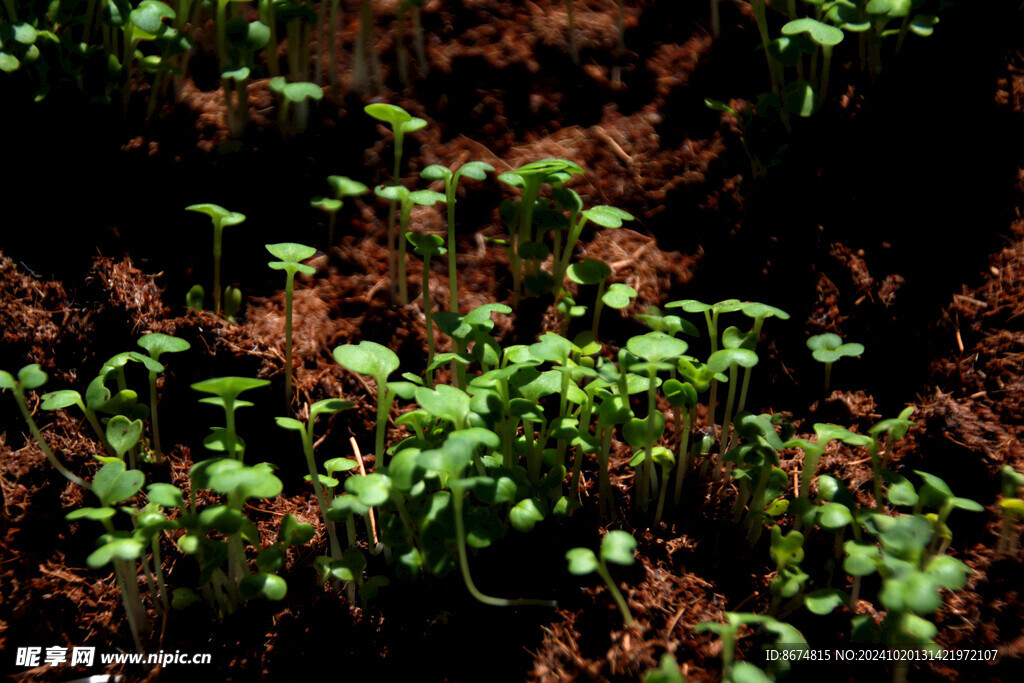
x,y
825,38
58,400
400,196
729,359
342,187
658,352
782,634
476,170
616,547
290,255
157,344
293,116
221,218
377,361
593,272
32,377
1011,507
194,298
226,391
320,482
113,484
427,246
401,123
124,435
529,178
827,348
667,671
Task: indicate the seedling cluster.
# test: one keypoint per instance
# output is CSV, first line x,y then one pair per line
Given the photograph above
x,y
511,439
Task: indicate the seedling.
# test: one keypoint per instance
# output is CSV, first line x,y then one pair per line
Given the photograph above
x,y
427,246
32,377
293,116
1011,507
605,216
226,391
377,361
667,671
320,482
827,348
114,484
342,187
476,170
616,547
594,272
729,359
124,435
221,218
783,635
398,195
659,351
58,400
401,123
825,38
290,256
529,178
157,344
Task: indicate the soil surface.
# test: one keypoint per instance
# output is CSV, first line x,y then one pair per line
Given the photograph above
x,y
891,226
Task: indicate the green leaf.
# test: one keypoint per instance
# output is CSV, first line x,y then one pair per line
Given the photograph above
x,y
228,388
291,252
113,484
436,172
220,216
834,516
388,113
123,434
157,344
656,346
445,402
31,377
165,495
582,561
121,549
589,272
617,547
346,187
824,600
820,33
269,586
426,197
371,489
667,672
93,514
525,515
232,477
618,296
64,398
607,216
368,358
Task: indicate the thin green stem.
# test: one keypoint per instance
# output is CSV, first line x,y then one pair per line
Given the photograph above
x,y
218,235
289,295
19,395
153,417
620,601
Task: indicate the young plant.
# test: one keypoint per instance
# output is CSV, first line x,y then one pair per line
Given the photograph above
x,y
427,246
320,482
530,178
729,360
827,348
781,633
825,38
226,391
342,187
123,435
593,272
221,218
58,400
1011,507
290,255
293,115
658,352
113,484
157,344
377,361
32,377
476,170
616,547
398,195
